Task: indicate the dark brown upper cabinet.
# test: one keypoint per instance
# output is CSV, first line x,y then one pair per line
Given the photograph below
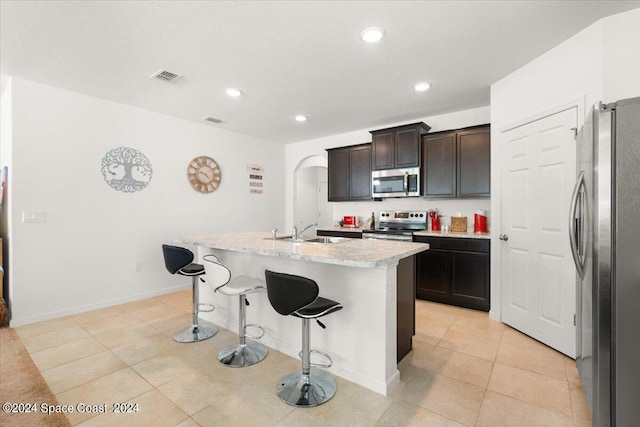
x,y
398,147
349,173
439,151
338,174
360,172
457,163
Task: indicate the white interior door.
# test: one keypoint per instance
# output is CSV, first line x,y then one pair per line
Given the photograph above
x,y
538,276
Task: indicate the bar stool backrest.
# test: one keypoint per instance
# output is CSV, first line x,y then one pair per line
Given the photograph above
x,y
288,293
218,275
176,257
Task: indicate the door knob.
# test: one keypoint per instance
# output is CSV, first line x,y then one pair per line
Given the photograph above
x,y
503,237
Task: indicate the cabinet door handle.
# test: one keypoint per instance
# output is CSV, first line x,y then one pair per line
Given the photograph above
x,y
503,237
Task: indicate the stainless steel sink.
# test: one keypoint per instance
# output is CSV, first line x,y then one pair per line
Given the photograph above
x,y
327,239
284,238
321,239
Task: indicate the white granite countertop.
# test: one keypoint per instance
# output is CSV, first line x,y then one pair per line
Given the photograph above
x,y
351,252
427,233
462,235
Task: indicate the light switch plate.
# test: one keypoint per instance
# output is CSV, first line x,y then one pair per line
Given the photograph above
x,y
33,217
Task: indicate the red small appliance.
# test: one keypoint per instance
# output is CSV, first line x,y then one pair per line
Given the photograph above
x,y
480,221
435,220
349,221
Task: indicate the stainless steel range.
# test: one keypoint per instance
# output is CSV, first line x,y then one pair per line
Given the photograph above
x,y
397,225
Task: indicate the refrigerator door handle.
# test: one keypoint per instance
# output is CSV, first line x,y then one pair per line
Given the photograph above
x,y
576,225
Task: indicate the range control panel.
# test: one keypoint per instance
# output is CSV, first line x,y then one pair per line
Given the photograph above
x,y
410,219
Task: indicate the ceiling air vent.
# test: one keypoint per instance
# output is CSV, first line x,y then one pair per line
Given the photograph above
x,y
165,75
212,119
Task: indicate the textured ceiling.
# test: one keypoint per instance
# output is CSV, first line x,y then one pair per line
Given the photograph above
x,y
287,57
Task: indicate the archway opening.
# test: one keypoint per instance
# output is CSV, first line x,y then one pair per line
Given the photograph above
x,y
310,184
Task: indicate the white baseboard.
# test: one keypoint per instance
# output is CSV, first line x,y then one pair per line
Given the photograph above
x,y
81,309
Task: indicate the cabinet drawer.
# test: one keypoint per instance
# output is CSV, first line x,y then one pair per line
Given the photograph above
x,y
455,244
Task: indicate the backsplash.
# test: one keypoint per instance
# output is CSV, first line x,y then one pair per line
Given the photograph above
x,y
446,208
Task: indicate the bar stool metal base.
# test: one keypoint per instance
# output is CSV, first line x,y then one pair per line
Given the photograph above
x,y
195,333
306,391
242,355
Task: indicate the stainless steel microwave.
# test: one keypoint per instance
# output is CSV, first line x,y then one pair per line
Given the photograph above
x,y
395,183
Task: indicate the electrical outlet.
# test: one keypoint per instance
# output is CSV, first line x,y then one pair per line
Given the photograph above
x,y
137,267
33,217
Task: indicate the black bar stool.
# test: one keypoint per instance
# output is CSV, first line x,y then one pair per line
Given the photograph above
x,y
297,296
179,260
219,277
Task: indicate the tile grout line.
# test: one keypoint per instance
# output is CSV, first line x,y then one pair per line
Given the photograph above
x,y
486,389
127,366
456,315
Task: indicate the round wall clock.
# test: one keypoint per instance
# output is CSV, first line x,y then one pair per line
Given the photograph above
x,y
204,174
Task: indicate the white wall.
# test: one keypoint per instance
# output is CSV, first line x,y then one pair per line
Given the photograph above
x,y
295,153
83,256
621,56
600,63
5,159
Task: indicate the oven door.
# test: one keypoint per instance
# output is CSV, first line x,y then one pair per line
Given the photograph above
x,y
396,183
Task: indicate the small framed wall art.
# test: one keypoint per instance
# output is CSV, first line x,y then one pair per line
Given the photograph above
x,y
256,173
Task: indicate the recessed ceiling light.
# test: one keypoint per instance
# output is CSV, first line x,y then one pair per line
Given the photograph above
x,y
301,118
233,92
421,86
372,34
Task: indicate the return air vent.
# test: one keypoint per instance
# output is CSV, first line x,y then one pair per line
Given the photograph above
x,y
165,75
212,119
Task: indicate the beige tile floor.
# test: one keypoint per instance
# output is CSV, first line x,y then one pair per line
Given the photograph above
x,y
465,369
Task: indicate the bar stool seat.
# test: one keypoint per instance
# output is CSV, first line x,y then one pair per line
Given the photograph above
x,y
320,307
245,353
297,296
178,260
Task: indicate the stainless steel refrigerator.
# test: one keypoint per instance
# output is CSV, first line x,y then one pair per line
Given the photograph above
x,y
605,240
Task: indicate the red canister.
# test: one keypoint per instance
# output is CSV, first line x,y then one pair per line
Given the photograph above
x,y
480,221
435,220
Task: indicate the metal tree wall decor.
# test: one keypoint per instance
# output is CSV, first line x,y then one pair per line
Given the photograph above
x,y
126,169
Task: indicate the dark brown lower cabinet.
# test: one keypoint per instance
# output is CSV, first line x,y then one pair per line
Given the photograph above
x,y
454,271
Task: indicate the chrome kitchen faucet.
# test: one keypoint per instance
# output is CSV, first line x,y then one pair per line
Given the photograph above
x,y
294,231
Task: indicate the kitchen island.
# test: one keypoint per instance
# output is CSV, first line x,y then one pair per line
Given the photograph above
x,y
370,278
